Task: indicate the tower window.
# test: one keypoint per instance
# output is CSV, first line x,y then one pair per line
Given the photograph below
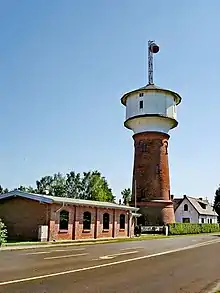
x,y
141,95
141,104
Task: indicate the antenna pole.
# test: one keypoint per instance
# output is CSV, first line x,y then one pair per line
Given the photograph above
x,y
152,49
150,63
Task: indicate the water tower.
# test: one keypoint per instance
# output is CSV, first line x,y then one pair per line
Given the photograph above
x,y
151,114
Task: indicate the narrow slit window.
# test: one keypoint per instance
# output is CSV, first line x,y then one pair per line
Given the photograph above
x,y
141,104
86,221
106,221
64,220
122,222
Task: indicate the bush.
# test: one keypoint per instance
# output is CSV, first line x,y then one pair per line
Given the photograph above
x,y
3,233
187,228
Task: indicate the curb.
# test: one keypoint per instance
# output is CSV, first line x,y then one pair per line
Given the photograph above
x,y
24,247
77,243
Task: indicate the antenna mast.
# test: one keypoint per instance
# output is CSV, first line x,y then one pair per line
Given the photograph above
x,y
152,48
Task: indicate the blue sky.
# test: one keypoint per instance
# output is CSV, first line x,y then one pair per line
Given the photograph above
x,y
64,66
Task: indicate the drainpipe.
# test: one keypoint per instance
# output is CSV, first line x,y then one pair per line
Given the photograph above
x,y
60,208
57,212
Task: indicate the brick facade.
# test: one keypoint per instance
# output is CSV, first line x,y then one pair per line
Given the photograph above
x,y
23,217
75,228
151,172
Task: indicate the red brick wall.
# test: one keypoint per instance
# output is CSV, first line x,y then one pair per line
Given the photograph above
x,y
75,228
55,232
151,171
121,232
168,214
101,233
79,232
151,168
23,217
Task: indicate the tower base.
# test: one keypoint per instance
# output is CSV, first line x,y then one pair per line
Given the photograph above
x,y
151,182
156,214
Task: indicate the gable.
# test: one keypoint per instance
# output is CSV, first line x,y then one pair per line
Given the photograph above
x,y
195,205
186,201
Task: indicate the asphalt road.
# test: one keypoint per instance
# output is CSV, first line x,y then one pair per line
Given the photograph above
x,y
182,264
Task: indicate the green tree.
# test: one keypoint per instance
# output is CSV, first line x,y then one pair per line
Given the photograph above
x,y
30,189
22,188
52,185
3,233
89,186
2,190
74,185
217,203
59,185
126,196
95,187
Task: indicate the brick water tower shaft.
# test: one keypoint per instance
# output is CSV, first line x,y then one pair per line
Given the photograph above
x,y
151,114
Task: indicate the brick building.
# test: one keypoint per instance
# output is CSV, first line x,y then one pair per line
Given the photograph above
x,y
47,218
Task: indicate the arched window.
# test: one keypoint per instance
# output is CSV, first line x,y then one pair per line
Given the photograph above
x,y
122,221
106,221
186,207
86,221
64,220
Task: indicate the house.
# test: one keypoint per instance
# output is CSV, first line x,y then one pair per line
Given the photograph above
x,y
48,218
194,210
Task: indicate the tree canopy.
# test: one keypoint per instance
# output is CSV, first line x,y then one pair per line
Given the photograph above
x,y
126,196
89,185
217,203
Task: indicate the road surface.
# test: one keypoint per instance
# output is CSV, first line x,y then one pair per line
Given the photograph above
x,y
182,264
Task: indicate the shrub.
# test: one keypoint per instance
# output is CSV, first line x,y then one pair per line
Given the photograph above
x,y
187,228
3,233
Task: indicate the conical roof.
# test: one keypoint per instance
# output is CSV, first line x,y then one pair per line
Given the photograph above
x,y
152,87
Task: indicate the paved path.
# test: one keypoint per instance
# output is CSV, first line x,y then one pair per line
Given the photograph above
x,y
183,264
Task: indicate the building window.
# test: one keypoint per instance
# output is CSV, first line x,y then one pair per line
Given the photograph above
x,y
141,94
186,208
202,220
141,104
86,221
64,220
106,221
122,222
186,220
210,221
